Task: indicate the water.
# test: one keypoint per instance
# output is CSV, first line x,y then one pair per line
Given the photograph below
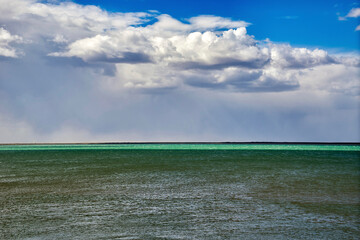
x,y
184,146
179,192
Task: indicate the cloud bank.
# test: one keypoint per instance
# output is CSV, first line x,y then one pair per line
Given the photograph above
x,y
66,67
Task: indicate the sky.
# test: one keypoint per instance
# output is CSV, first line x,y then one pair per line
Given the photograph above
x,y
154,70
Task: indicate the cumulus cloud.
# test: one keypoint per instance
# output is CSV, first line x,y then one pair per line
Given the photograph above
x,y
140,53
90,74
285,56
209,50
168,26
6,39
103,48
70,20
240,80
161,58
69,15
232,47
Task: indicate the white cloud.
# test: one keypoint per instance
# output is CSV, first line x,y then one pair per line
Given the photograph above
x,y
210,50
87,74
285,56
332,78
164,54
168,26
158,59
354,13
58,38
126,46
6,39
240,80
72,21
69,14
208,22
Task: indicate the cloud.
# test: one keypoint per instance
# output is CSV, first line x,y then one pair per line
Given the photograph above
x,y
58,38
353,13
72,21
69,15
209,22
239,80
334,79
209,50
177,49
13,130
285,56
80,73
103,48
6,39
208,53
167,26
152,50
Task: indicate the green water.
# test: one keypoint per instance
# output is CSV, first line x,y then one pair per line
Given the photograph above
x,y
142,192
159,146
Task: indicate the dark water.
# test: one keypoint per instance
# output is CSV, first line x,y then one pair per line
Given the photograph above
x,y
179,194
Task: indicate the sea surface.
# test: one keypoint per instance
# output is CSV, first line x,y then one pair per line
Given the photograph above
x,y
180,191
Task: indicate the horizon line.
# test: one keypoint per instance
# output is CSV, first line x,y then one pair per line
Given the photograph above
x,y
185,142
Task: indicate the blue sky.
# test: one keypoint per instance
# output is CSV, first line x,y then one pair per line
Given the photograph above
x,y
152,70
301,23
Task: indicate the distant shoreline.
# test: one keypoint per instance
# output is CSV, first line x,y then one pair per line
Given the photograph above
x,y
122,143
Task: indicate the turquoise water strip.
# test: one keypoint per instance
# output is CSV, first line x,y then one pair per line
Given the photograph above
x,y
298,147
